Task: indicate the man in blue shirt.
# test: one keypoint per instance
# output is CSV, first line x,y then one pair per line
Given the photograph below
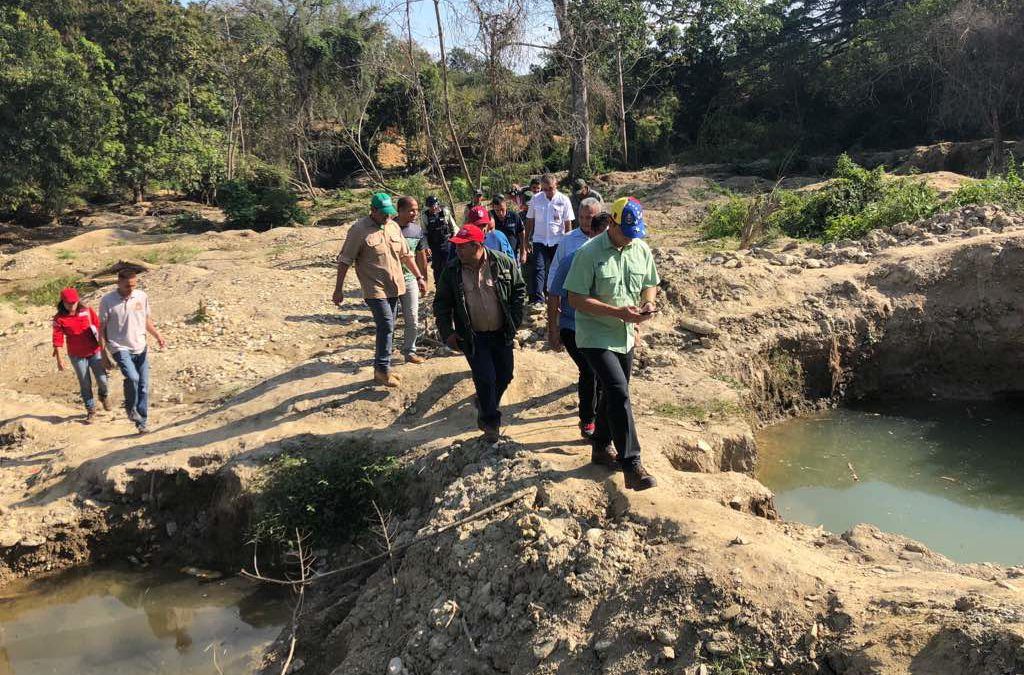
x,y
562,317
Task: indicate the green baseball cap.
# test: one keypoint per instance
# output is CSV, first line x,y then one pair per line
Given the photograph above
x,y
382,202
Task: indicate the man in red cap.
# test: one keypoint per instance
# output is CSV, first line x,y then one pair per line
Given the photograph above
x,y
79,326
494,239
479,307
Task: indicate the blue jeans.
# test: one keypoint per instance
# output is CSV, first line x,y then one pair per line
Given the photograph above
x,y
383,310
543,256
83,366
492,364
135,369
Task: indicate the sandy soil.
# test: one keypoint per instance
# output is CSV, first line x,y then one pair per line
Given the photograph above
x,y
585,577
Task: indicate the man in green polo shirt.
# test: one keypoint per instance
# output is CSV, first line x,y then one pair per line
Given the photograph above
x,y
612,285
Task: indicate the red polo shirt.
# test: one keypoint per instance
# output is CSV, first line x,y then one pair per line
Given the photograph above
x,y
81,330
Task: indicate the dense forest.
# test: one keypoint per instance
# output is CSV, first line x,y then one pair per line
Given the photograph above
x,y
104,99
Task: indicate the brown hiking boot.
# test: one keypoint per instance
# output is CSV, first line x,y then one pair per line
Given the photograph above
x,y
414,358
90,416
637,477
604,456
385,378
105,402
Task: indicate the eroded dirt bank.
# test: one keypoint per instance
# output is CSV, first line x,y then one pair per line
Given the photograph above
x,y
580,576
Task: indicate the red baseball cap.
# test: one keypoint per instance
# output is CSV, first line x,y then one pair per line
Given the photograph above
x,y
468,233
478,215
69,295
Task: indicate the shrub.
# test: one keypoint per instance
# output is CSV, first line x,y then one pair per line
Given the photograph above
x,y
1006,190
901,200
416,186
327,493
260,202
854,202
726,219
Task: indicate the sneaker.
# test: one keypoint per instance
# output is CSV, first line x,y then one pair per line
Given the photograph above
x,y
414,358
637,477
587,429
604,456
105,402
385,378
491,434
141,428
90,416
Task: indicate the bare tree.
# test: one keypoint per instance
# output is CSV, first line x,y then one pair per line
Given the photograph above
x,y
978,49
447,93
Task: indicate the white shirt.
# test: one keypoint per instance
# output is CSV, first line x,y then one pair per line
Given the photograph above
x,y
124,320
549,217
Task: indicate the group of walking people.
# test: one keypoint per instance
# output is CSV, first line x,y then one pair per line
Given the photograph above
x,y
592,271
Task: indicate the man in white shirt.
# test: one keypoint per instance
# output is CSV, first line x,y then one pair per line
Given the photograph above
x,y
548,219
125,319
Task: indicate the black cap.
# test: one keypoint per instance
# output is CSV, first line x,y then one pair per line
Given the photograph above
x,y
432,200
498,198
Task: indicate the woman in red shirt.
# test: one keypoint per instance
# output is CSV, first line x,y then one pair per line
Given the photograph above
x,y
80,326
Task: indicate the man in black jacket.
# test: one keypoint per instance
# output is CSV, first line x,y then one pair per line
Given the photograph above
x,y
479,307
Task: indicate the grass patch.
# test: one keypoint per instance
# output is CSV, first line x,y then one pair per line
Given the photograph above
x,y
326,493
173,255
43,294
701,411
741,662
65,254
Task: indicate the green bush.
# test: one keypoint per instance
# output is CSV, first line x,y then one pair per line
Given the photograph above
x,y
260,202
855,201
901,200
327,493
1006,190
726,219
416,186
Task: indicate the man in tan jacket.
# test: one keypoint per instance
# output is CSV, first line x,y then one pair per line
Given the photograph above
x,y
375,247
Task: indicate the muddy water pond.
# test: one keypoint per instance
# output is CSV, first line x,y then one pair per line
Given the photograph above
x,y
950,475
130,622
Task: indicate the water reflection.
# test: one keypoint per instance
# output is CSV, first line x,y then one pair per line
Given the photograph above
x,y
945,473
135,622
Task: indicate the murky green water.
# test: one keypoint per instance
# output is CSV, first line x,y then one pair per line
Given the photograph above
x,y
131,622
949,475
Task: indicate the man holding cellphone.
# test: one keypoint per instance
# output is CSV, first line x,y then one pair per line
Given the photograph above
x,y
612,284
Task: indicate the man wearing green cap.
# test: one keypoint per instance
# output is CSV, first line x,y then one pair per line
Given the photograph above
x,y
374,245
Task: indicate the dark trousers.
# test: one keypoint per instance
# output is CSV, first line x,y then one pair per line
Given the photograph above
x,y
492,365
588,388
543,256
438,259
615,422
383,310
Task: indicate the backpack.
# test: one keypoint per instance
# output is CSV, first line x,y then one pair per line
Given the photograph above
x,y
437,229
